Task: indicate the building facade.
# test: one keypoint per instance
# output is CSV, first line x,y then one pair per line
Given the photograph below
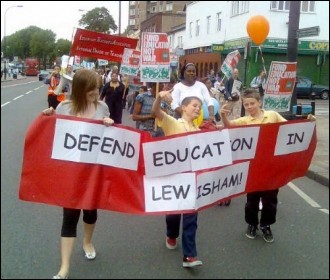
x,y
140,11
213,29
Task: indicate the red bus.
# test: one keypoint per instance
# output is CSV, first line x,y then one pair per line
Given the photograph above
x,y
31,67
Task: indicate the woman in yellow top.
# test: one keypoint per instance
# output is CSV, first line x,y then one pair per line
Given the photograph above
x,y
190,107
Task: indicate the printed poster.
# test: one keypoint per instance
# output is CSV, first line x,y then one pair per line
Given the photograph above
x,y
155,58
279,86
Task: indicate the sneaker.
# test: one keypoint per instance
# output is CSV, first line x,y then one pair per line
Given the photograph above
x,y
267,234
58,276
191,262
251,232
171,243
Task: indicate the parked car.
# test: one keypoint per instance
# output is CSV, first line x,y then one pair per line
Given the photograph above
x,y
305,87
43,74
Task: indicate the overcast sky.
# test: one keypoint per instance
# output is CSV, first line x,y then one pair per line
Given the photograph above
x,y
60,17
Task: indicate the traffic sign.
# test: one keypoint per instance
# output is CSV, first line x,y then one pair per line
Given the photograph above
x,y
309,31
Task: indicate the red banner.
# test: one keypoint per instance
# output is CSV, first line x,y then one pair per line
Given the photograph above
x,y
86,185
100,45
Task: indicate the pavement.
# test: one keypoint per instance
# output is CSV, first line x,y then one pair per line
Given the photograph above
x,y
319,167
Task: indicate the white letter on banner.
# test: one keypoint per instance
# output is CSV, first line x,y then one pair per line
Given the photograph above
x,y
294,138
215,185
209,149
94,143
166,157
170,193
243,142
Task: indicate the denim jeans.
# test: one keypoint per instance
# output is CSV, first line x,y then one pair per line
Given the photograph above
x,y
189,228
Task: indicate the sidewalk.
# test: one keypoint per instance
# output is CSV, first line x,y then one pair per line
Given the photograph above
x,y
319,167
9,79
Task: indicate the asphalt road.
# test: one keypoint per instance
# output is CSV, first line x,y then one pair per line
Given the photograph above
x,y
131,246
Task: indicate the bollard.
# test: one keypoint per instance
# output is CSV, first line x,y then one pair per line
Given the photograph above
x,y
299,110
313,103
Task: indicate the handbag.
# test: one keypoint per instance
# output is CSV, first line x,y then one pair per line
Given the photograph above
x,y
234,96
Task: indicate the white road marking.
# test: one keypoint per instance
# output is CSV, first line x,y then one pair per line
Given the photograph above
x,y
305,197
18,97
4,104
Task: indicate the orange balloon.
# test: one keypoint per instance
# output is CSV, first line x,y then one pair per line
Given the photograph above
x,y
258,28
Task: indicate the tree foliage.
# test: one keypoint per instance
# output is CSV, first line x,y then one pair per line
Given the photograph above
x,y
99,20
40,43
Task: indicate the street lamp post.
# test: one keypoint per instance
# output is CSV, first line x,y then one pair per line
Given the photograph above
x,y
4,39
119,20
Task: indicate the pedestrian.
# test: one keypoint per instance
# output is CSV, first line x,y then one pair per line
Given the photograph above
x,y
84,103
54,81
125,81
142,111
189,86
65,82
252,103
233,88
214,93
190,108
113,93
212,77
259,83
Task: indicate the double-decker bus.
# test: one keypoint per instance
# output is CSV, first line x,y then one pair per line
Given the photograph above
x,y
31,67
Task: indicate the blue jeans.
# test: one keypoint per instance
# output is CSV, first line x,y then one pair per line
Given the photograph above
x,y
189,228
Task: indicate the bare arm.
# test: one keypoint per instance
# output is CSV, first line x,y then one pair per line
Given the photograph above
x,y
224,115
136,116
49,111
156,110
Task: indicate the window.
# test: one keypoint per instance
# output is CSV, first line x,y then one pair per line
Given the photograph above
x,y
308,6
280,5
190,29
169,7
153,9
218,21
180,42
239,7
131,3
132,12
197,27
132,21
208,24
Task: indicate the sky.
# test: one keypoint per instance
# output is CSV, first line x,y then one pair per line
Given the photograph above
x,y
60,17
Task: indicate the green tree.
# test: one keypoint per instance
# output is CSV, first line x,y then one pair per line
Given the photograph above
x,y
42,46
99,20
18,44
62,47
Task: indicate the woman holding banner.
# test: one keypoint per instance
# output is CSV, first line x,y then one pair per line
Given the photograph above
x,y
84,103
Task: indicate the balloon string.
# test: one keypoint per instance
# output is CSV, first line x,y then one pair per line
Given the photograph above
x,y
263,61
